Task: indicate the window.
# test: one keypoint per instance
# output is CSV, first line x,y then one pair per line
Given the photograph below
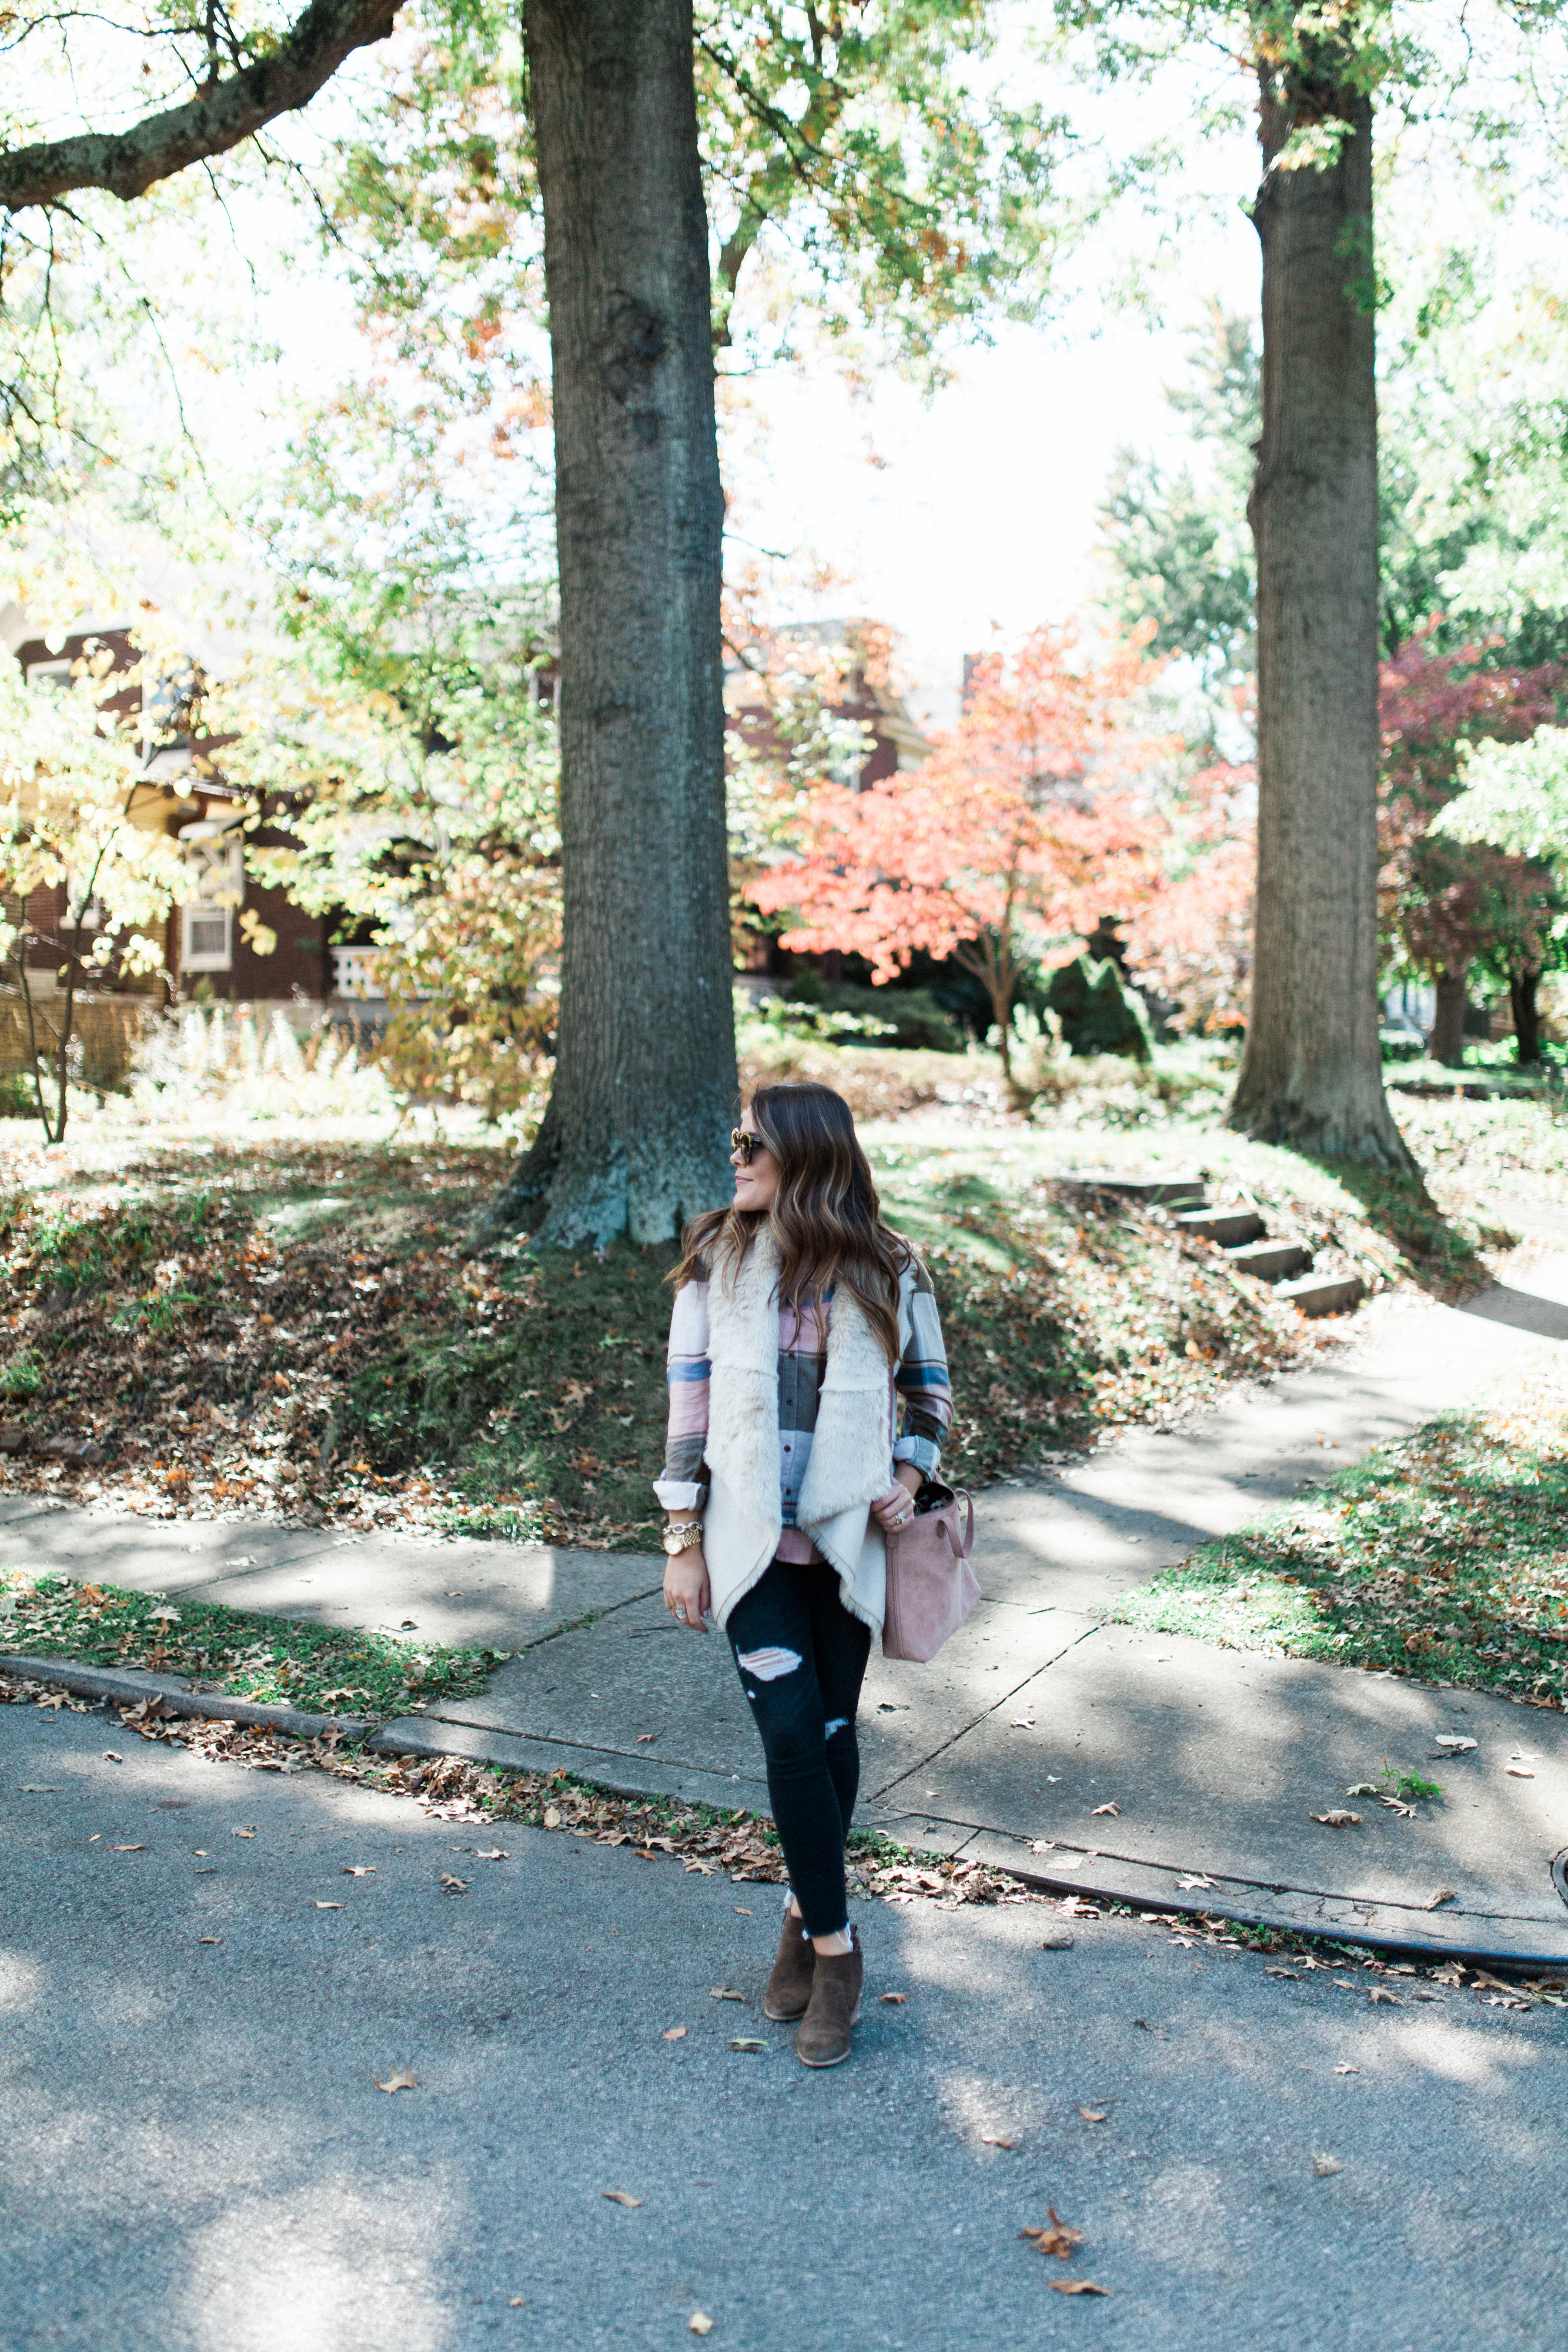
x,y
206,939
215,862
54,676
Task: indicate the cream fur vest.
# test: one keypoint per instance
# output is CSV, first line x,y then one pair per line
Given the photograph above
x,y
851,1459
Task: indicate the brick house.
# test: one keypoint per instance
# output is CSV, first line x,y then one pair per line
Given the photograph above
x,y
207,942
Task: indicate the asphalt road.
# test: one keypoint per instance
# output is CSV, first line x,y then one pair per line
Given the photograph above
x,y
193,2154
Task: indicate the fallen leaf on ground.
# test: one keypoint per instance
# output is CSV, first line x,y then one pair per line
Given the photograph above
x,y
893,2000
1020,1723
1452,1975
40,1789
1343,2069
328,1907
726,1992
674,2034
1282,1972
517,2303
1398,1805
1185,1884
619,2196
1094,2115
357,1870
128,1849
1336,1818
700,2324
995,2139
1490,1984
747,2041
1111,1808
552,1818
405,2079
1362,1788
1454,1742
1444,1895
209,1939
450,1886
1078,2287
110,1757
250,1832
1324,2165
1058,2237
741,1911
493,1854
1520,1771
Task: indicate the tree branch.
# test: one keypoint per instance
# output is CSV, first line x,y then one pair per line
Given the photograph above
x,y
223,113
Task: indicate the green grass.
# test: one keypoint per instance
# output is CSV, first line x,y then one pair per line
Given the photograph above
x,y
1443,1556
319,1669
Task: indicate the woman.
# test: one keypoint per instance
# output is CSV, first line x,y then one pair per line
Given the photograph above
x,y
799,1322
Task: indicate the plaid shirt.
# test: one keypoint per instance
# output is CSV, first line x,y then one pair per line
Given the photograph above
x,y
917,1384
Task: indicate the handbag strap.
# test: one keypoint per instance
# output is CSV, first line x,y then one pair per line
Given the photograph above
x,y
962,1551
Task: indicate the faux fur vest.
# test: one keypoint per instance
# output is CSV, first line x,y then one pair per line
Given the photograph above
x,y
852,1447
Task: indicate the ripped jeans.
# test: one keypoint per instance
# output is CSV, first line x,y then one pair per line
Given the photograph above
x,y
802,1658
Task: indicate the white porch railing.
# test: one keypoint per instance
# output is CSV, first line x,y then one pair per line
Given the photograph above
x,y
354,972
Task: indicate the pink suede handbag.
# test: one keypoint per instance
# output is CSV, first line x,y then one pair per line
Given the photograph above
x,y
931,1587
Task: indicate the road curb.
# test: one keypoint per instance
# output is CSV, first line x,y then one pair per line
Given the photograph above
x,y
129,1685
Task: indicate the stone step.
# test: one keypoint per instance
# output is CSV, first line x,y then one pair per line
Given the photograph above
x,y
1324,1294
1158,1191
1225,1226
1271,1261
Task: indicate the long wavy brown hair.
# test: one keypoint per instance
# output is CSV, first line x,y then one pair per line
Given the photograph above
x,y
825,1217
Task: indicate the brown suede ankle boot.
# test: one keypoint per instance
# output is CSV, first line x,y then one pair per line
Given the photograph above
x,y
789,1986
835,2006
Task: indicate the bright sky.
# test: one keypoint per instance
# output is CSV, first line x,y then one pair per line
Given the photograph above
x,y
981,514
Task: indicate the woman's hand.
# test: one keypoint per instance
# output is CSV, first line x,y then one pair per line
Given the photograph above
x,y
896,1507
688,1596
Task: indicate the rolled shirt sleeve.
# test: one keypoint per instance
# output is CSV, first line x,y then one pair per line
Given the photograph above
x,y
684,1483
921,1384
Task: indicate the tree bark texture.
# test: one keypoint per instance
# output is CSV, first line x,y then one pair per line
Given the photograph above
x,y
1524,1005
1311,1076
223,112
635,1139
1446,1039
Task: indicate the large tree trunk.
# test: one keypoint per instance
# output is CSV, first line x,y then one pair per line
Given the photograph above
x,y
1523,985
1446,1038
1312,1073
636,1137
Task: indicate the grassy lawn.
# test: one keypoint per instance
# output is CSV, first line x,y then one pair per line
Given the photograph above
x,y
319,1669
1444,1556
274,1314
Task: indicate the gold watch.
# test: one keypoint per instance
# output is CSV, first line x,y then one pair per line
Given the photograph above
x,y
679,1540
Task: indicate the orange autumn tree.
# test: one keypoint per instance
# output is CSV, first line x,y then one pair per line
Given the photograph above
x,y
1191,938
1009,845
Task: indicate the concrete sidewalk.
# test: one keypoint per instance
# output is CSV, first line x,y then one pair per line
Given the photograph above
x,y
1039,1714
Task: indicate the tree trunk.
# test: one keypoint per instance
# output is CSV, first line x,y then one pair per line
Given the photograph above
x,y
1312,1073
1521,987
1446,1038
635,1139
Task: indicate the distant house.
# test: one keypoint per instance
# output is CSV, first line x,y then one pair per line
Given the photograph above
x,y
208,942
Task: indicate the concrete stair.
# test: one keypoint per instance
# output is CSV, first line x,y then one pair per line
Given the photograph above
x,y
1242,1235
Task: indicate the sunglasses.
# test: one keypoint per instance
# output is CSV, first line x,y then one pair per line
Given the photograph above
x,y
741,1140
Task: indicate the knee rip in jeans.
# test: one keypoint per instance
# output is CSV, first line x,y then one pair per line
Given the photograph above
x,y
768,1665
838,1723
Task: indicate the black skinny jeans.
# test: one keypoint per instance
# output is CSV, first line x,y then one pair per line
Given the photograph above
x,y
802,1658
